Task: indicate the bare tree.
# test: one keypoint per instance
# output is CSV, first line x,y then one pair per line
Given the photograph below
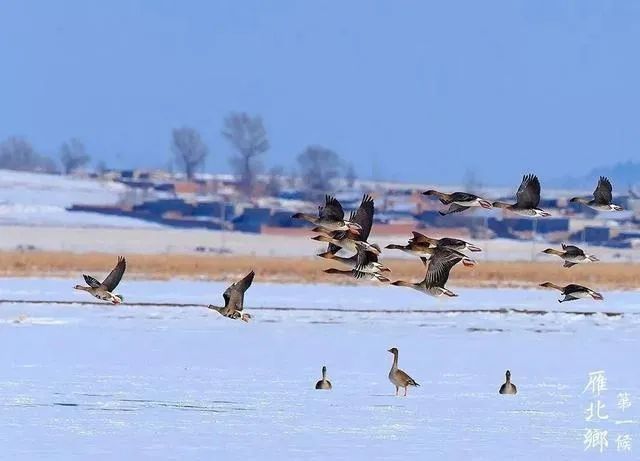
x,y
319,166
274,185
17,153
73,155
189,149
351,176
249,140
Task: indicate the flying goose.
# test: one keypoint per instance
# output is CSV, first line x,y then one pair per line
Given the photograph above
x,y
602,197
324,383
508,387
104,290
330,217
573,291
234,299
527,198
446,242
437,274
356,274
571,255
348,240
364,260
398,377
458,201
424,250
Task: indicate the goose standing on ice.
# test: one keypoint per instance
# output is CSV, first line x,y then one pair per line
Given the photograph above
x,y
573,291
234,299
571,255
602,197
527,198
330,217
324,383
398,377
104,290
458,201
508,387
438,270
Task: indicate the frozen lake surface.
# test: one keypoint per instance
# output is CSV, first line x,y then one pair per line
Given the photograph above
x,y
129,382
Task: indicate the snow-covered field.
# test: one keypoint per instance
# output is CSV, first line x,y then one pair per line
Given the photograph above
x,y
41,199
129,382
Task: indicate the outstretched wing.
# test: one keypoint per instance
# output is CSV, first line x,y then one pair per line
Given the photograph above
x,y
454,208
234,295
439,267
364,217
93,283
603,193
364,257
332,209
528,195
454,244
572,250
114,277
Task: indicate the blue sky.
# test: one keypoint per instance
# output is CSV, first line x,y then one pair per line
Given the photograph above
x,y
410,90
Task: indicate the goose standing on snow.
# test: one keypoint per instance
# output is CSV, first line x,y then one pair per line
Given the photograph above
x,y
571,255
437,274
508,387
458,201
398,377
330,217
573,291
324,383
527,198
104,290
602,197
234,299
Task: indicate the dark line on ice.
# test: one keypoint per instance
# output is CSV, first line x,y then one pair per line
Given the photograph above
x,y
501,310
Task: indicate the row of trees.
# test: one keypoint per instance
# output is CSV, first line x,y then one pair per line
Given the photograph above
x,y
318,166
16,153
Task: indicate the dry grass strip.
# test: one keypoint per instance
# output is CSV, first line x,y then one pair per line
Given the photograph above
x,y
310,270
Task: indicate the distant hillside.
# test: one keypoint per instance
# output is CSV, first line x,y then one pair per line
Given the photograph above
x,y
622,175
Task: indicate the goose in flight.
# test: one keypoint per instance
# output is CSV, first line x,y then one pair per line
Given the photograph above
x,y
571,255
424,250
324,383
440,265
508,387
573,291
458,201
359,275
527,198
398,377
602,197
330,217
364,260
362,217
445,242
104,290
234,299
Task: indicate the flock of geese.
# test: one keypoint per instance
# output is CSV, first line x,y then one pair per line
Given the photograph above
x,y
439,256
